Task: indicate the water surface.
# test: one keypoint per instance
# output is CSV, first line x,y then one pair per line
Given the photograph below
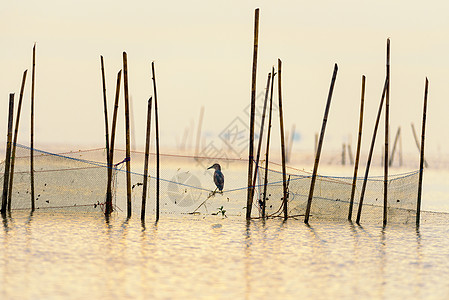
x,y
54,255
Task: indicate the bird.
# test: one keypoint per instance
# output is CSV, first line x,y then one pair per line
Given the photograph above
x,y
218,177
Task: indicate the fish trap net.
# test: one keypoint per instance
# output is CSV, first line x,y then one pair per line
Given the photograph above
x,y
77,181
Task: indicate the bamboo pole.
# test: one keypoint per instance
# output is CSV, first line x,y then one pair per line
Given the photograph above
x,y
396,139
267,153
370,155
156,119
421,159
359,143
387,125
14,144
128,146
8,154
105,104
112,145
259,146
32,130
343,154
281,120
417,143
320,145
145,166
249,200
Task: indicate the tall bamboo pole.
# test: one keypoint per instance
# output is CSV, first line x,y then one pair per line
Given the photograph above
x,y
32,130
320,145
8,154
145,166
387,125
249,201
156,119
267,154
421,159
357,155
105,104
396,139
370,155
14,144
112,145
259,146
128,146
281,121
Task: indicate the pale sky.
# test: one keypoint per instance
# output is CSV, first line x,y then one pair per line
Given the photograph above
x,y
203,56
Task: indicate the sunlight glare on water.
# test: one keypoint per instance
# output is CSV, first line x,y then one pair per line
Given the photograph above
x,y
72,256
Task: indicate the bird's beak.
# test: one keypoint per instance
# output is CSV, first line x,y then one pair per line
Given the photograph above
x,y
210,167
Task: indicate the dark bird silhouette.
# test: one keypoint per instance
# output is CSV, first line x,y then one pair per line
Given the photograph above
x,y
218,177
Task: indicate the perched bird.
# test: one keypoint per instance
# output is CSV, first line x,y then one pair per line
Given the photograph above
x,y
218,177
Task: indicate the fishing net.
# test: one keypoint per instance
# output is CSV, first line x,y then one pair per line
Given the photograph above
x,y
77,181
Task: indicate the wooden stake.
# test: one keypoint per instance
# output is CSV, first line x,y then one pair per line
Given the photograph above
x,y
370,155
112,145
357,155
249,201
145,166
320,145
421,159
267,154
32,131
281,120
8,155
14,144
387,125
156,119
259,146
128,146
396,139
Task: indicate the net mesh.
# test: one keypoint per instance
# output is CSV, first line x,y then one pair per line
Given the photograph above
x,y
77,181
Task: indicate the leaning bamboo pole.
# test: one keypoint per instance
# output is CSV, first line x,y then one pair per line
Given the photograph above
x,y
14,144
281,121
267,153
421,159
370,155
396,139
357,155
32,131
250,191
259,146
109,207
387,125
320,145
417,144
156,120
128,146
8,155
145,166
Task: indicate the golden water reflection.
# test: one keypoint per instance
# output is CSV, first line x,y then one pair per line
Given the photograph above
x,y
73,256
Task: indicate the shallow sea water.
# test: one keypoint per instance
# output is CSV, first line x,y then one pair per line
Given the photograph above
x,y
56,255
